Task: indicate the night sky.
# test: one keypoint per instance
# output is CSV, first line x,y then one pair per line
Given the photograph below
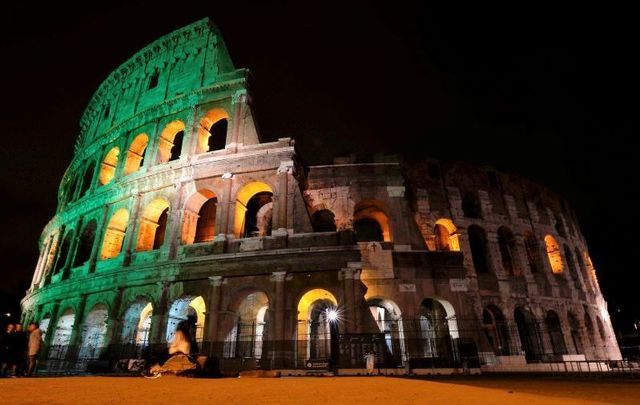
x,y
548,93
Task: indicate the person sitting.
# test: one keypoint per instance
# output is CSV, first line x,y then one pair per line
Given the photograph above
x,y
179,359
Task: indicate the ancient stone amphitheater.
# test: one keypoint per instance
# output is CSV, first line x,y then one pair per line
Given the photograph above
x,y
173,208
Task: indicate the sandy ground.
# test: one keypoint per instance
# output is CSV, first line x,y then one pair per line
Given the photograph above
x,y
316,390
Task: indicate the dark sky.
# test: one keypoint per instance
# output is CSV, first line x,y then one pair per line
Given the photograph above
x,y
546,92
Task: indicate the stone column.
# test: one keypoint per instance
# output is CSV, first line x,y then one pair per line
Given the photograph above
x,y
358,299
239,103
349,316
53,320
227,206
278,355
214,314
132,230
99,239
398,224
160,315
58,244
78,325
71,256
175,222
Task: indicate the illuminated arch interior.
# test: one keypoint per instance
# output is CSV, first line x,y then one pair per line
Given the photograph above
x,y
199,217
114,234
211,118
153,225
305,305
554,254
242,199
446,235
187,309
167,144
367,211
108,166
135,154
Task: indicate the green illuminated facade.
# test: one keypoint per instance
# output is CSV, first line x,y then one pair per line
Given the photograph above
x,y
174,209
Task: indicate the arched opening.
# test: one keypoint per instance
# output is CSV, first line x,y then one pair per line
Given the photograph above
x,y
247,335
62,335
254,209
446,236
200,217
87,179
529,335
85,245
135,154
136,327
93,333
471,207
43,325
192,310
531,248
571,266
153,225
108,166
574,329
588,325
507,245
318,317
388,317
114,235
478,245
601,331
555,333
323,221
63,253
212,134
170,142
495,329
437,326
371,222
553,254
70,190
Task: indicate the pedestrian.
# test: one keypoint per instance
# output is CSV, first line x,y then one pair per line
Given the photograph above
x,y
5,350
35,343
19,349
370,361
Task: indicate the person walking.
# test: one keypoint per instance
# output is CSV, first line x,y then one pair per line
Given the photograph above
x,y
35,344
5,350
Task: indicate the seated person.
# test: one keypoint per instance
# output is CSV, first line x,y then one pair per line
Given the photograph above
x,y
179,360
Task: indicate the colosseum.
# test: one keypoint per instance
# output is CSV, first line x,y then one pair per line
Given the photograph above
x,y
174,208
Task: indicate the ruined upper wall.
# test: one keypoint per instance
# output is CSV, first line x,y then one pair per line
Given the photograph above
x,y
189,58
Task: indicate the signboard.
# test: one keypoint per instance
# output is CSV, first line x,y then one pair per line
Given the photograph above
x,y
459,284
317,364
407,287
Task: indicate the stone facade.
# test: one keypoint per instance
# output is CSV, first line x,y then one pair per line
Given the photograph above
x,y
173,209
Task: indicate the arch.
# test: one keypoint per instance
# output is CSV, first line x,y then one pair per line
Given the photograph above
x,y
62,335
371,222
528,332
495,329
153,225
318,318
507,247
571,265
388,318
199,224
137,326
247,335
212,134
323,220
554,329
93,333
574,330
471,207
87,179
446,235
249,199
190,309
479,251
553,254
437,325
136,153
531,248
70,190
63,252
108,166
170,142
114,234
85,244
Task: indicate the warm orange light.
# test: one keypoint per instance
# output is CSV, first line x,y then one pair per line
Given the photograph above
x,y
149,223
114,235
306,302
108,166
167,136
554,254
210,118
373,210
135,154
446,235
242,198
191,214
